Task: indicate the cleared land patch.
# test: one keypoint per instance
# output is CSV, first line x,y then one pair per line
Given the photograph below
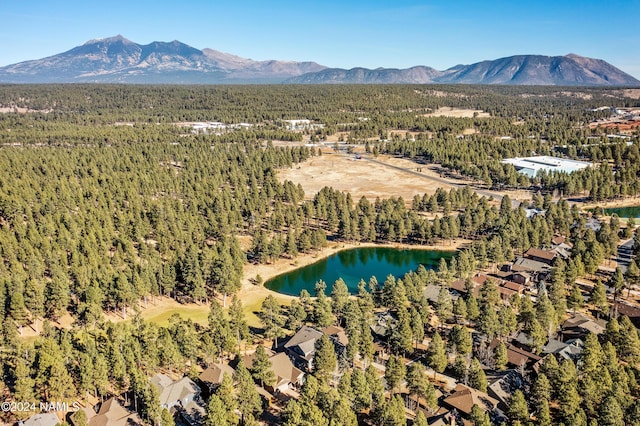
x,y
362,178
458,113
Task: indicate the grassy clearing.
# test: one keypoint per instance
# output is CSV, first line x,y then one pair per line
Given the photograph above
x,y
196,313
254,304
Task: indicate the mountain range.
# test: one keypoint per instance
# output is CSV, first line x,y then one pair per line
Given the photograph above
x,y
119,60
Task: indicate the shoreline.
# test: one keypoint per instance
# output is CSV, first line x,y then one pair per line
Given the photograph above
x,y
624,202
253,294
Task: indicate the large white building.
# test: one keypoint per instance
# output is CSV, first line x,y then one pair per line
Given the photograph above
x,y
530,165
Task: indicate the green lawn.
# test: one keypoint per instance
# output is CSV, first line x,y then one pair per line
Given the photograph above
x,y
197,314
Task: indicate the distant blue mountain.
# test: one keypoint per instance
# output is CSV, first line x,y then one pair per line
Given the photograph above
x,y
118,60
569,70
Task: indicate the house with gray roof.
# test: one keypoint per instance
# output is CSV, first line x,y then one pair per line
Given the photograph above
x,y
41,419
301,347
175,392
182,395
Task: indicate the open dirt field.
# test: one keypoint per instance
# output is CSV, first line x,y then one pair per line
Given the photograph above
x,y
458,113
362,177
621,125
631,93
20,110
623,202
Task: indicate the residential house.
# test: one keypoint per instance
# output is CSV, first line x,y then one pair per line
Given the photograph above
x,y
464,398
517,357
538,270
41,419
580,325
89,413
383,322
631,311
522,278
112,413
462,287
562,247
431,292
301,347
566,350
182,395
338,336
213,375
531,213
503,388
287,376
176,392
539,255
508,288
558,239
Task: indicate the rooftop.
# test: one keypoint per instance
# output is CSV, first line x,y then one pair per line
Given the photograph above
x,y
464,398
531,165
215,373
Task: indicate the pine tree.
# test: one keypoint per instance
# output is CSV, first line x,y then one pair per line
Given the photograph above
x,y
461,338
261,369
325,360
610,413
226,393
543,414
271,317
34,301
216,412
629,340
567,388
444,306
417,326
395,372
500,356
473,311
401,336
518,410
339,296
249,402
237,322
393,413
460,309
477,377
23,384
166,419
17,308
420,386
437,355
541,388
344,415
575,300
538,335
374,383
420,419
361,391
479,417
80,418
488,321
507,320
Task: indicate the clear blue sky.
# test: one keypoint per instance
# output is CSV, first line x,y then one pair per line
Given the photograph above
x,y
374,33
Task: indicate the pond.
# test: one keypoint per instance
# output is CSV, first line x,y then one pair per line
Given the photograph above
x,y
629,211
354,264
